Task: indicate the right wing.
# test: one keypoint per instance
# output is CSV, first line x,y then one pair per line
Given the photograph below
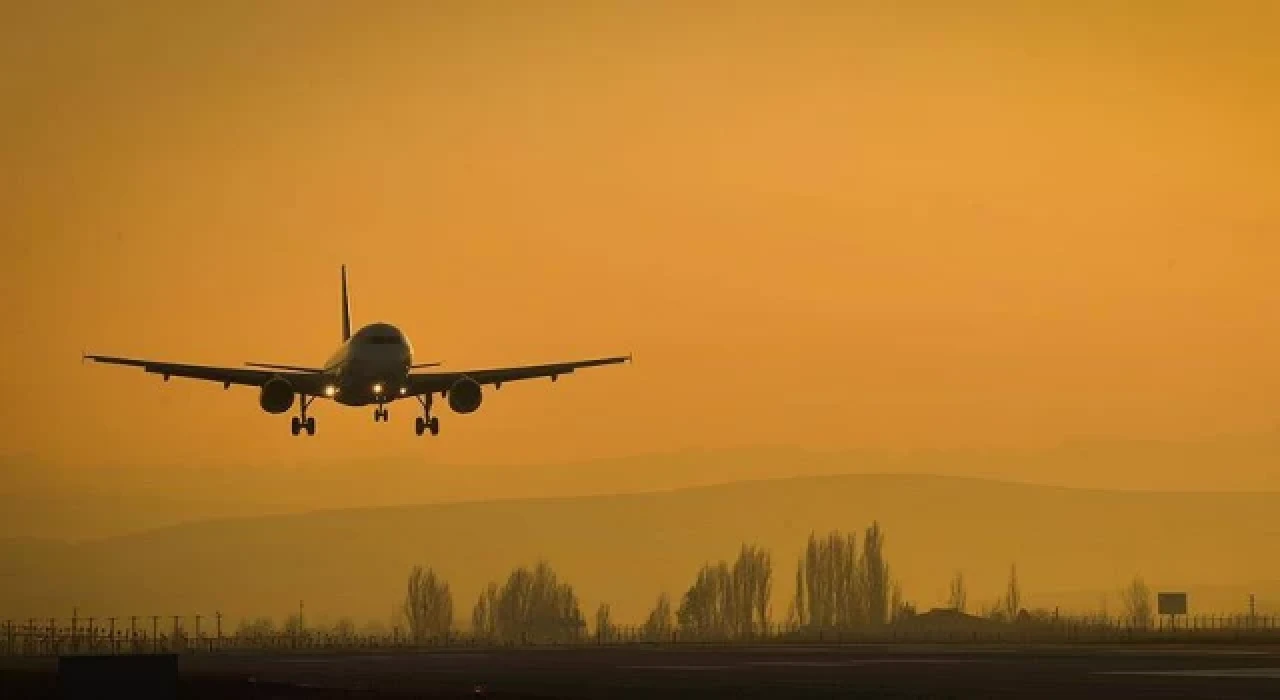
x,y
431,382
303,382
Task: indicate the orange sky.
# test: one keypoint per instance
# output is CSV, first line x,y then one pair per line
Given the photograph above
x,y
829,225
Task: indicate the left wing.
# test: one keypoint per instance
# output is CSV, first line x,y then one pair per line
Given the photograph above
x,y
303,382
431,382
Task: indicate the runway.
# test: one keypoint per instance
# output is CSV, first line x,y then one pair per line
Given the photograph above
x,y
914,671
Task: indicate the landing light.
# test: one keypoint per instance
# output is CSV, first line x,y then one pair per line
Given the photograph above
x,y
330,390
377,388
403,391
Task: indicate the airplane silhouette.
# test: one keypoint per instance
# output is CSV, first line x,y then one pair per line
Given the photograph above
x,y
373,366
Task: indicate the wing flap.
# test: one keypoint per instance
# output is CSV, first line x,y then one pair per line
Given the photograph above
x,y
291,368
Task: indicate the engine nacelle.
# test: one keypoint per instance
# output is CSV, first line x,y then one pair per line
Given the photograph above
x,y
277,395
465,395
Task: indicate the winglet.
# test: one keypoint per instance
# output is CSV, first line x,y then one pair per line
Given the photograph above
x,y
346,308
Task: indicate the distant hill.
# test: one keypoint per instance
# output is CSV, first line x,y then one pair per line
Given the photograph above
x,y
43,500
627,548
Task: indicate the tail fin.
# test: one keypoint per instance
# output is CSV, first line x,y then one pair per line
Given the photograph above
x,y
346,308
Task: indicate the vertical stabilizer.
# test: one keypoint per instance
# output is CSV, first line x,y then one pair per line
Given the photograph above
x,y
346,308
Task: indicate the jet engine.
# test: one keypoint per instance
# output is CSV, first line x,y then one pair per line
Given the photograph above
x,y
277,395
465,395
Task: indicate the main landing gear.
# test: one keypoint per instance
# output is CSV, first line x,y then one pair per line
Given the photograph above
x,y
303,422
426,421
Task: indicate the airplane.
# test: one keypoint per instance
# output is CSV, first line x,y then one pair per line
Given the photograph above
x,y
373,367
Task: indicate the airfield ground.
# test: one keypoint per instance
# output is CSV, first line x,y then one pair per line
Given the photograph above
x,y
907,671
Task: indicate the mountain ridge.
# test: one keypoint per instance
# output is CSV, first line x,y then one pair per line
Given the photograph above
x,y
700,488
77,503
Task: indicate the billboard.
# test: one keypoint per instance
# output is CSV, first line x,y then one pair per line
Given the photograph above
x,y
1171,603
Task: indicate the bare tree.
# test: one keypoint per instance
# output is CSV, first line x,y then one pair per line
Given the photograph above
x,y
797,612
1136,599
959,597
533,605
835,587
875,575
704,608
428,605
484,621
658,626
604,623
1013,595
829,586
751,584
730,603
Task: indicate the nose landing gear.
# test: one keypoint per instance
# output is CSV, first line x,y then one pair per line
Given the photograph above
x,y
380,414
426,421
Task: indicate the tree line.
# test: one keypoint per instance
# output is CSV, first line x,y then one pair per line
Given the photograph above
x,y
838,584
842,581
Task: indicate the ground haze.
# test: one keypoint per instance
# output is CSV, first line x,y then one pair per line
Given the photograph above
x,y
1071,548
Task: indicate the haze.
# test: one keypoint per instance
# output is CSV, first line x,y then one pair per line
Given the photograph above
x,y
833,226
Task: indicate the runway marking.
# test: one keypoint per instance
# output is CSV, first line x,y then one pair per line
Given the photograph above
x,y
675,668
1193,652
359,658
1203,673
863,662
793,664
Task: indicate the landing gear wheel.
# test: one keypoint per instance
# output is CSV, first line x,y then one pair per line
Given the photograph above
x,y
301,421
380,414
426,421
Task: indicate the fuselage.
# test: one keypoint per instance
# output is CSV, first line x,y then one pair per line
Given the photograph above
x,y
371,367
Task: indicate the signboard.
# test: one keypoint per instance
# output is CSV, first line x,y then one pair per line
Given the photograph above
x,y
1171,603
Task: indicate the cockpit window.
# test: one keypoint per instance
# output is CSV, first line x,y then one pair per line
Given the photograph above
x,y
384,339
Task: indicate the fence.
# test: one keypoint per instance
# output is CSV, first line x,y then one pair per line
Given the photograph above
x,y
170,634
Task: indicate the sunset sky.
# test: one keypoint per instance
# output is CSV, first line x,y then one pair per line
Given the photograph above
x,y
827,225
